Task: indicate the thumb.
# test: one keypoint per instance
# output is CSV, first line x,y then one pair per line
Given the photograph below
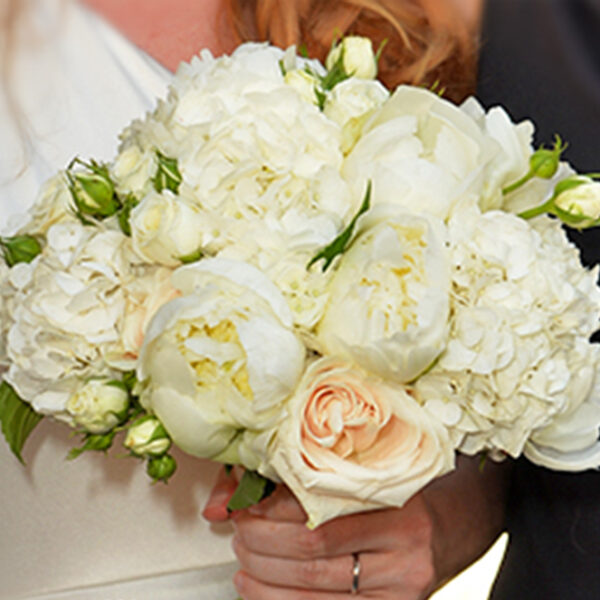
x,y
216,505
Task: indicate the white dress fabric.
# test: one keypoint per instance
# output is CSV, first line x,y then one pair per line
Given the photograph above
x,y
92,528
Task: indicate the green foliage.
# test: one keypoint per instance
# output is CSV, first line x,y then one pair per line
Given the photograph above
x,y
18,419
251,489
342,241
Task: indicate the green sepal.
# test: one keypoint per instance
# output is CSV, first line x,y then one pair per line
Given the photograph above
x,y
192,257
341,242
99,442
128,204
282,68
251,489
18,419
19,249
167,175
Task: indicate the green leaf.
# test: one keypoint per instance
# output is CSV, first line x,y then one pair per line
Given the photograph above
x,y
251,489
341,242
18,419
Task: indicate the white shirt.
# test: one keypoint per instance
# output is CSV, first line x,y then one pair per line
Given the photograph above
x,y
94,521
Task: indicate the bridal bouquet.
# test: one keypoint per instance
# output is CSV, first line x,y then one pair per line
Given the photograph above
x,y
289,268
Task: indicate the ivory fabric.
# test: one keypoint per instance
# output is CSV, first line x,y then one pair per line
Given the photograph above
x,y
79,529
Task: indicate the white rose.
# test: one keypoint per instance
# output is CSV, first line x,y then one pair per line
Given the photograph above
x,y
581,203
388,300
133,170
98,406
53,204
420,152
220,360
165,228
357,55
352,442
350,103
147,437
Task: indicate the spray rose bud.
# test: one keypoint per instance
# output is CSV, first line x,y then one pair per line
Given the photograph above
x,y
19,249
304,83
357,56
577,202
161,468
98,406
147,437
92,189
544,162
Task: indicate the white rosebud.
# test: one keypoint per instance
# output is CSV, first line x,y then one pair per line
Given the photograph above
x,y
165,228
147,437
304,83
98,406
358,56
133,170
581,203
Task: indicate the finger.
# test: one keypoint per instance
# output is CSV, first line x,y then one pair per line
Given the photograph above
x,y
382,530
252,589
216,505
324,574
281,505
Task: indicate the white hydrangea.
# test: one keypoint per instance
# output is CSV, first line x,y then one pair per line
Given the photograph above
x,y
518,357
74,316
254,152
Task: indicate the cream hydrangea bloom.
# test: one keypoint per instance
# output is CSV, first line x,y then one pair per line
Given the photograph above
x,y
254,152
518,359
71,309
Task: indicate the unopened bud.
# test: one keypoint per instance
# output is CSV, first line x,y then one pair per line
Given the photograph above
x,y
147,437
544,162
19,249
92,190
161,468
357,56
577,202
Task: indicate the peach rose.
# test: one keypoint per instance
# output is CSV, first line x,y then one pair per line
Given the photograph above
x,y
353,442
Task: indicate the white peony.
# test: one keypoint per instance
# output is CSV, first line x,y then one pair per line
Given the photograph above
x,y
388,300
218,362
420,152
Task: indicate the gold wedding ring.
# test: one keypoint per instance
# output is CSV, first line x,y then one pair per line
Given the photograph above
x,y
355,574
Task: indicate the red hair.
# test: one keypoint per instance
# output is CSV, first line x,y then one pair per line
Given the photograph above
x,y
428,43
